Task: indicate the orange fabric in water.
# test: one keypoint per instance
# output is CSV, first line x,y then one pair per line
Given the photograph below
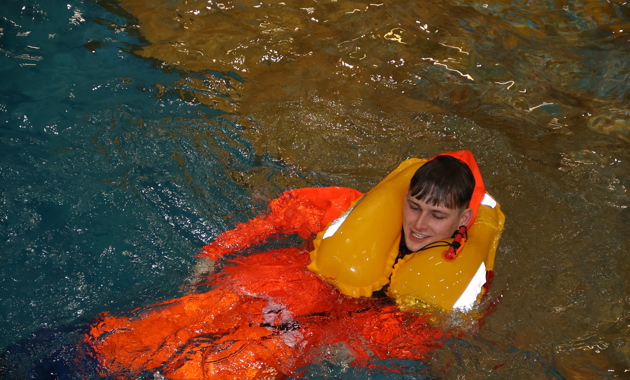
x,y
300,211
265,315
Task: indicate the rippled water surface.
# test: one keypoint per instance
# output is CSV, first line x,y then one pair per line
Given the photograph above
x,y
133,132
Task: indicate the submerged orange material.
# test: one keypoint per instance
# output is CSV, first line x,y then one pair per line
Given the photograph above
x,y
265,315
301,211
268,316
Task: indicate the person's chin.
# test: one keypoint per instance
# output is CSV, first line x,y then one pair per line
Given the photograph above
x,y
415,246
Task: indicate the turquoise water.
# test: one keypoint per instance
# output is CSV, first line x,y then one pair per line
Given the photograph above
x,y
119,162
96,213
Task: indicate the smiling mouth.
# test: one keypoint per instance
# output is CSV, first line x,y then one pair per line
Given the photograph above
x,y
418,236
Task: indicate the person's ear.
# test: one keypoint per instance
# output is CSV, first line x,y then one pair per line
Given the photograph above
x,y
466,217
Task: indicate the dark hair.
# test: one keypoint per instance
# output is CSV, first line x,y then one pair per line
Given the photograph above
x,y
443,181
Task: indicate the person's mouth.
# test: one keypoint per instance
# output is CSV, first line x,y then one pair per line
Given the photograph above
x,y
419,236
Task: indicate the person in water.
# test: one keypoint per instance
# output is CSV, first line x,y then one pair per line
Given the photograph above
x,y
436,204
267,315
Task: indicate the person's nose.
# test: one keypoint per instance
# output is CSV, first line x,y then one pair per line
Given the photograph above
x,y
421,222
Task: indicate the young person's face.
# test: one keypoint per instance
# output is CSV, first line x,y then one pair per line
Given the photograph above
x,y
424,223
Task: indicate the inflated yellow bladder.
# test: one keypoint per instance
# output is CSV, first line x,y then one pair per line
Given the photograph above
x,y
356,253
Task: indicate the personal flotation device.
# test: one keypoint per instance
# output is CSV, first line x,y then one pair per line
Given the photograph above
x,y
357,252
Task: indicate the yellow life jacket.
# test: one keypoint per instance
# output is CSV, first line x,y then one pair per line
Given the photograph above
x,y
356,253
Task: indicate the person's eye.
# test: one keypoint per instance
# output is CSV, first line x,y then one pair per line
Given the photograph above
x,y
439,216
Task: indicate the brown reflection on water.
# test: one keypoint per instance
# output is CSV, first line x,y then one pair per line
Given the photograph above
x,y
539,92
496,65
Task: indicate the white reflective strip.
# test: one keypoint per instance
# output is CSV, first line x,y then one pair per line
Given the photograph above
x,y
468,298
489,201
334,226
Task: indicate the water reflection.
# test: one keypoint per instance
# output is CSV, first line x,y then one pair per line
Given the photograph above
x,y
529,71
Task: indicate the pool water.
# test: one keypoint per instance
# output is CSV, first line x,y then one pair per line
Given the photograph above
x,y
135,132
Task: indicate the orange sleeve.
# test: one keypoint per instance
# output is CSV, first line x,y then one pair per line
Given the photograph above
x,y
300,211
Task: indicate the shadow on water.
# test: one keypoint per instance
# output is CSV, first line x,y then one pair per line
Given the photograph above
x,y
38,358
134,132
